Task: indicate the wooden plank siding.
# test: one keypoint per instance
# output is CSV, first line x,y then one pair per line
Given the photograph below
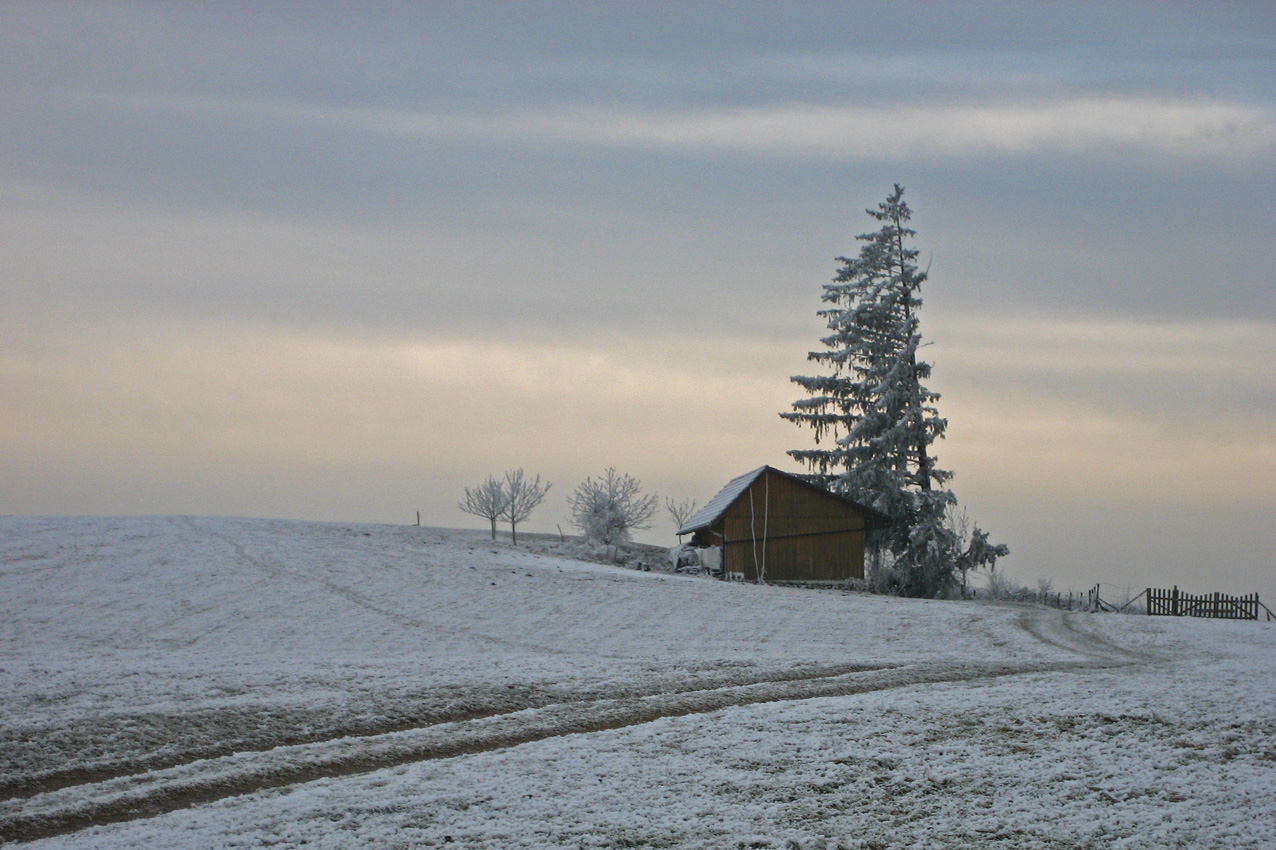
x,y
792,531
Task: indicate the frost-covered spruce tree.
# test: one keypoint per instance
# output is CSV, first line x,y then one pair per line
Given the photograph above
x,y
873,418
876,418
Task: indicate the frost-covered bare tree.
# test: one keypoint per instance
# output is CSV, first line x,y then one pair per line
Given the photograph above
x,y
974,551
609,509
681,511
878,417
488,500
522,495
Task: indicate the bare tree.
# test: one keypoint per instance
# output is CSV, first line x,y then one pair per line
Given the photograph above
x,y
523,495
488,500
973,550
609,509
680,511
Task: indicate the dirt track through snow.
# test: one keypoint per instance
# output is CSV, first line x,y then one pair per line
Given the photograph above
x,y
70,803
273,726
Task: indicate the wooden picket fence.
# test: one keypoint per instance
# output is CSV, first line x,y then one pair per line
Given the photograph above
x,y
1170,603
1220,606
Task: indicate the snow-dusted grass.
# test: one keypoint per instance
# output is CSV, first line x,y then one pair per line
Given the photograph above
x,y
144,658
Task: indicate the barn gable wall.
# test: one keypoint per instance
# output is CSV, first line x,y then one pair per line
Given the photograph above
x,y
793,531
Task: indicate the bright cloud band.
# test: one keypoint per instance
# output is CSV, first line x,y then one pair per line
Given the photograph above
x,y
865,132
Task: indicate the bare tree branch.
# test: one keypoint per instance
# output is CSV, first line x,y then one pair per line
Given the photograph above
x,y
523,495
488,500
609,509
680,511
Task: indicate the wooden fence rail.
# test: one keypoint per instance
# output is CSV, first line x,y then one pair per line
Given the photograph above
x,y
1176,603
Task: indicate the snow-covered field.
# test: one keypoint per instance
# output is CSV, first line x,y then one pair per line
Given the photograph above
x,y
197,683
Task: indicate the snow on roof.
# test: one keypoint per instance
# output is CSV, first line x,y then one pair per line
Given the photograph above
x,y
719,503
709,514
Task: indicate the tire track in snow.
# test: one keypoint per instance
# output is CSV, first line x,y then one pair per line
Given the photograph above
x,y
1058,629
457,705
206,781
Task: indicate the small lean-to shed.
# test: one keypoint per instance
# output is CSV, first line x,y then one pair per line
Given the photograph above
x,y
777,525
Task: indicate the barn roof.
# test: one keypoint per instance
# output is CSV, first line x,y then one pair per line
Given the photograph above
x,y
718,505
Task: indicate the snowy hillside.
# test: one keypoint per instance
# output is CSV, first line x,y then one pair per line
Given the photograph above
x,y
189,683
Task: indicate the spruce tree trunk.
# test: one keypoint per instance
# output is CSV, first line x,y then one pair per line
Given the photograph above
x,y
923,459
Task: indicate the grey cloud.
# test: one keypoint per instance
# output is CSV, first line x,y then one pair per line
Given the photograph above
x,y
233,179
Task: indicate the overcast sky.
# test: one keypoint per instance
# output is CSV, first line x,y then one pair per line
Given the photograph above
x,y
338,261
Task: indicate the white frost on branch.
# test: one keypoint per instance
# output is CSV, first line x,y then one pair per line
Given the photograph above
x,y
488,500
609,509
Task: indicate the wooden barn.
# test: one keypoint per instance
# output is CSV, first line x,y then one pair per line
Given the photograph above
x,y
786,529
